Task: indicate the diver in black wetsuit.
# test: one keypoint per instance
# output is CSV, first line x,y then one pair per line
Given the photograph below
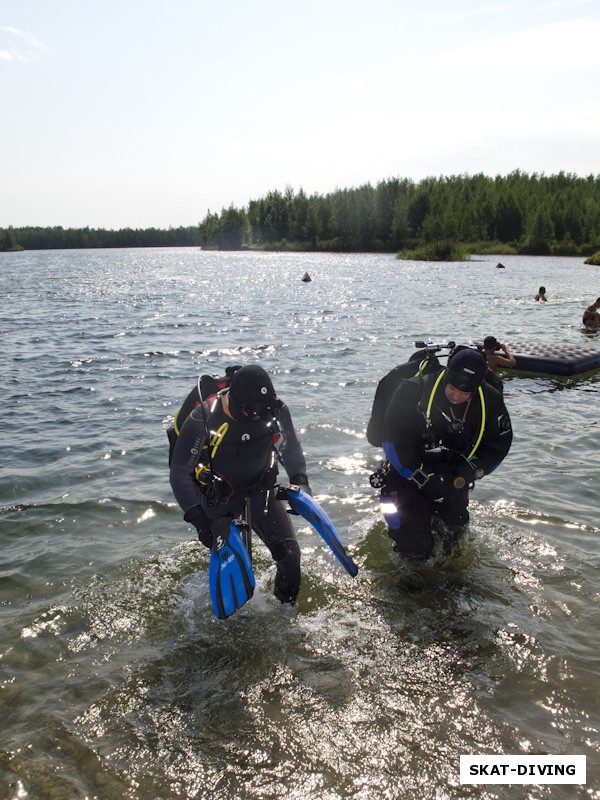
x,y
246,425
441,432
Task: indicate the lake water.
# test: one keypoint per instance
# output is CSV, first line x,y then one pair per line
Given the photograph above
x,y
116,679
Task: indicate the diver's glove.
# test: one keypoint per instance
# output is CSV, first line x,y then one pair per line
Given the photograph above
x,y
301,480
465,472
196,516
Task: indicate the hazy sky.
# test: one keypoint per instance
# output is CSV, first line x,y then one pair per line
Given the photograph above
x,y
139,113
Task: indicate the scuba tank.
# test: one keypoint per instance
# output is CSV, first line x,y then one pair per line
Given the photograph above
x,y
423,362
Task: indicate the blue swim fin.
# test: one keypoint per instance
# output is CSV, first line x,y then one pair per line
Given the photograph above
x,y
230,577
303,504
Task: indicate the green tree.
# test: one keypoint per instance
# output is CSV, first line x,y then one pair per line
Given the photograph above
x,y
232,229
7,240
509,218
541,233
417,211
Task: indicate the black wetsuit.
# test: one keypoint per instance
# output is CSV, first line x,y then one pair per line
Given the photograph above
x,y
440,449
243,460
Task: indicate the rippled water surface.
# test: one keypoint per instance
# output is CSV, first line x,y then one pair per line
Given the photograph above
x,y
116,679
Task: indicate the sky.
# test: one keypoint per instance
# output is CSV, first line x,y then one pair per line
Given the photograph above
x,y
140,113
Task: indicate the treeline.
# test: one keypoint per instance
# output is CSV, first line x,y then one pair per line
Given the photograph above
x,y
58,238
518,213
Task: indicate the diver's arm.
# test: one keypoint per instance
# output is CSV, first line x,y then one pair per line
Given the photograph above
x,y
403,430
291,452
497,438
185,458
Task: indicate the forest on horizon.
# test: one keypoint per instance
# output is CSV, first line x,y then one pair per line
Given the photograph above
x,y
517,213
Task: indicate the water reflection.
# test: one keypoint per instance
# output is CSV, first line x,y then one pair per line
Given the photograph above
x,y
117,680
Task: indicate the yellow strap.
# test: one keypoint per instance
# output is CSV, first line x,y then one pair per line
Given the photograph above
x,y
215,441
482,429
175,426
218,438
422,366
431,396
200,470
483,415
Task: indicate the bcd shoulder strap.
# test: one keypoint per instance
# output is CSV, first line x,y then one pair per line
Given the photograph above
x,y
207,385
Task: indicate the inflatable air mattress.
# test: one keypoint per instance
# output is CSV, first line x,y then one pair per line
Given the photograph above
x,y
554,359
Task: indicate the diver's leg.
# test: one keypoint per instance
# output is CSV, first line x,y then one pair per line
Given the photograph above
x,y
410,526
454,512
277,532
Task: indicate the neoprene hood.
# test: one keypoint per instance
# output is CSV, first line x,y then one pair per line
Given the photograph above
x,y
466,370
251,391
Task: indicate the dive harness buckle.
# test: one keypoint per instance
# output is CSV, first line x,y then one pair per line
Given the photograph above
x,y
378,479
419,477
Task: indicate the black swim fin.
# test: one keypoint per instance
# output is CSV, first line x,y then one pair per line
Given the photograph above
x,y
230,577
302,503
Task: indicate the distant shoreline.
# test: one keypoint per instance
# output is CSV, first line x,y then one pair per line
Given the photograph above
x,y
516,214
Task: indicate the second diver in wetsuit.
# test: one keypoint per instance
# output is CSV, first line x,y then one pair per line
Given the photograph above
x,y
441,433
226,452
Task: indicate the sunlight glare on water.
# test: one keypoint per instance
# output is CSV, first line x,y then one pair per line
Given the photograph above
x,y
117,679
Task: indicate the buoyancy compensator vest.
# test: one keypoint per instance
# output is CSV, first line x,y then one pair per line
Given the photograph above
x,y
420,363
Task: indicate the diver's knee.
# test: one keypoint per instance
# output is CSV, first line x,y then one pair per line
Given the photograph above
x,y
287,551
417,544
287,577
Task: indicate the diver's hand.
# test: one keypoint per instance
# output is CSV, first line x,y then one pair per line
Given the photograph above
x,y
197,517
301,480
465,472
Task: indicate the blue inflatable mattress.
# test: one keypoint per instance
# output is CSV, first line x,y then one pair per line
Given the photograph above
x,y
554,359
